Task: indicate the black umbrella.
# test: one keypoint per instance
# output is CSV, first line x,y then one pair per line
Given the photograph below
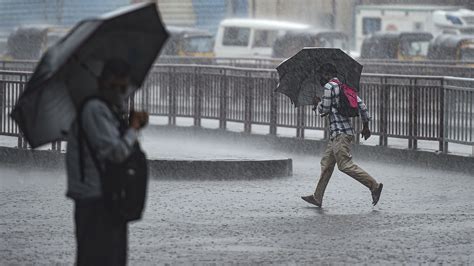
x,y
299,79
67,72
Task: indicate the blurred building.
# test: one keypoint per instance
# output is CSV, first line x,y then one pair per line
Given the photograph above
x,y
55,13
318,13
204,14
15,13
465,3
337,14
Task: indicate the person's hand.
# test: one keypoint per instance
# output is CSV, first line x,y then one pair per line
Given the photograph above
x,y
365,132
138,119
316,101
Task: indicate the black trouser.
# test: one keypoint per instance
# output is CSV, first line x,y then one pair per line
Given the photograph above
x,y
101,239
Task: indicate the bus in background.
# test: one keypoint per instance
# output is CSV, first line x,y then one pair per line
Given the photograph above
x,y
434,19
248,38
396,46
190,42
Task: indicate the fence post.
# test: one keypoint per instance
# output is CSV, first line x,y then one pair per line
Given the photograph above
x,y
2,103
197,98
415,115
224,84
411,103
443,144
248,105
22,143
382,112
300,122
172,97
273,113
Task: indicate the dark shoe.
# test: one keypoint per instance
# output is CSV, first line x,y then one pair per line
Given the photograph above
x,y
312,200
376,194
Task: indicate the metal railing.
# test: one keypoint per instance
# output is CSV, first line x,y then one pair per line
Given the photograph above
x,y
413,108
397,67
11,86
17,65
458,110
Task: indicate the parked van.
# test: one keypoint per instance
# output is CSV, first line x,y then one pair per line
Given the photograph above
x,y
185,41
452,47
292,42
396,46
250,37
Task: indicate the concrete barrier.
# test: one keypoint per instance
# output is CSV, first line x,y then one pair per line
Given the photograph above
x,y
292,145
162,169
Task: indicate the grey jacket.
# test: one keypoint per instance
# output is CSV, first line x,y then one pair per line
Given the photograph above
x,y
101,128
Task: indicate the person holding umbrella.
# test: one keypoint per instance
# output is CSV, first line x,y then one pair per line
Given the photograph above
x,y
339,75
338,150
101,236
78,91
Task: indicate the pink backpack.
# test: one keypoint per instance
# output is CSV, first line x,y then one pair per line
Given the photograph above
x,y
348,105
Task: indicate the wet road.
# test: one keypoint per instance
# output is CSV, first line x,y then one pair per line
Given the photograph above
x,y
424,216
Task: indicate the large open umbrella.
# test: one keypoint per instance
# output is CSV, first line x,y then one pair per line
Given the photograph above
x,y
298,77
67,72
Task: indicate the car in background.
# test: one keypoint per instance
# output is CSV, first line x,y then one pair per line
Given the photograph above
x,y
30,42
396,46
452,47
249,38
292,42
190,42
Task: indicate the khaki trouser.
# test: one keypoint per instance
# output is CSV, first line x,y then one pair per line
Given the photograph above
x,y
339,151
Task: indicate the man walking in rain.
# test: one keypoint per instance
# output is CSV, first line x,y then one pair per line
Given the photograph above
x,y
101,238
338,150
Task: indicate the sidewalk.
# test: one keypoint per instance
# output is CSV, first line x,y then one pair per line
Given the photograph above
x,y
458,149
424,216
432,146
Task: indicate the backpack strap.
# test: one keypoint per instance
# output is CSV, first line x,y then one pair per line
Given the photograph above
x,y
338,82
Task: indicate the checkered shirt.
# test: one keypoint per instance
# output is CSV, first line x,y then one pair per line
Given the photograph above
x,y
327,107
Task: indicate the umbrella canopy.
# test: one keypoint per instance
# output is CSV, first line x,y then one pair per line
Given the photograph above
x,y
298,77
67,73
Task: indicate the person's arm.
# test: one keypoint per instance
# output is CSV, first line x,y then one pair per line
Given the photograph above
x,y
324,107
104,136
364,115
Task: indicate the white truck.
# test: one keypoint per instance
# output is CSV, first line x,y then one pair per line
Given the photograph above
x,y
411,18
249,38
